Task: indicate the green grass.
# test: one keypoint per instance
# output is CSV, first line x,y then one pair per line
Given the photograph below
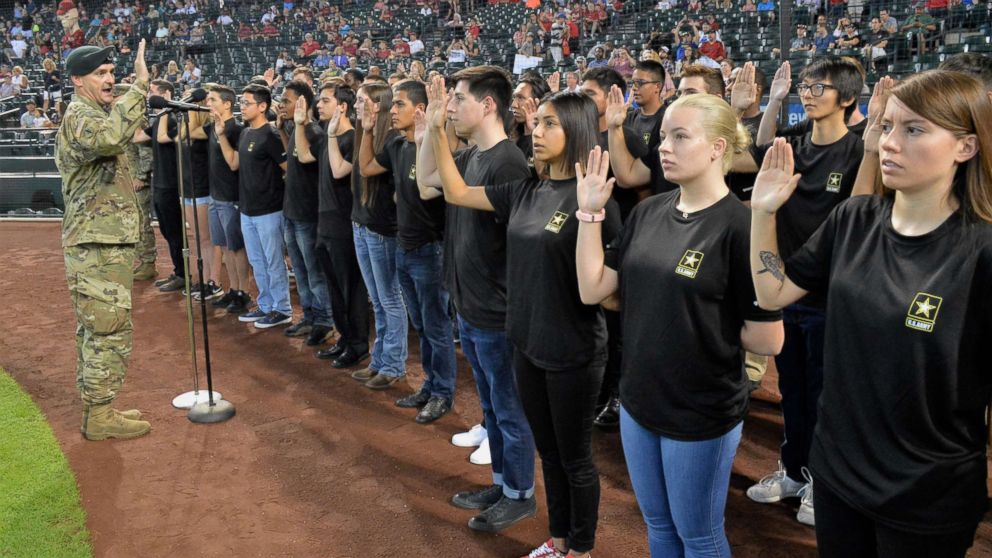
x,y
40,513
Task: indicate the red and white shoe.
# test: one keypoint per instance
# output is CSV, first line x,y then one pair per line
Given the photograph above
x,y
546,550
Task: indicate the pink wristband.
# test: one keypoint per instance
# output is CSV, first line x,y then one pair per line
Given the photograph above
x,y
597,217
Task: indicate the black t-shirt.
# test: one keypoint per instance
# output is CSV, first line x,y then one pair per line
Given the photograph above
x,y
475,243
378,212
165,175
806,126
334,220
644,127
683,375
419,222
642,136
741,183
626,198
223,181
260,182
828,174
301,200
901,431
199,156
545,318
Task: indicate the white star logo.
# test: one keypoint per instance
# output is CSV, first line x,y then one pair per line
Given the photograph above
x,y
691,260
924,308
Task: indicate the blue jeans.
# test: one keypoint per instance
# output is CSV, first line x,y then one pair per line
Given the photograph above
x,y
421,280
800,381
377,260
681,488
301,239
511,442
263,244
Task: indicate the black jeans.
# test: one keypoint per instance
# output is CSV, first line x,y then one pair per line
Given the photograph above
x,y
800,380
614,344
844,532
349,299
170,222
560,407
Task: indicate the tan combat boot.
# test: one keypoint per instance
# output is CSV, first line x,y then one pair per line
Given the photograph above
x,y
131,414
145,272
101,422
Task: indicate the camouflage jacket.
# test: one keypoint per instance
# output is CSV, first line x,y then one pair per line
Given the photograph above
x,y
90,152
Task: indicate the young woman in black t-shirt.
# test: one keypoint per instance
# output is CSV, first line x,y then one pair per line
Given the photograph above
x,y
559,342
680,269
898,455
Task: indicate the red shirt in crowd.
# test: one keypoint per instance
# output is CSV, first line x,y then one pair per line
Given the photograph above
x,y
713,49
310,47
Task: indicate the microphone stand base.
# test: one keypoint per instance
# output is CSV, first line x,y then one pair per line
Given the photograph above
x,y
190,398
205,413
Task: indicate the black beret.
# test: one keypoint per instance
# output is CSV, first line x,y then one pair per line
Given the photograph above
x,y
85,59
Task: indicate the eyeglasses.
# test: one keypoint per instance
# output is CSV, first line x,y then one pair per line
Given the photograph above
x,y
815,89
641,82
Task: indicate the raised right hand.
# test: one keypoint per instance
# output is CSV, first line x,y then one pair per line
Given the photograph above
x,y
616,108
745,90
876,108
140,67
419,126
593,189
782,83
775,182
370,116
437,104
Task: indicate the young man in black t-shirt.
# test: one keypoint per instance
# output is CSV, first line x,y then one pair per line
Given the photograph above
x,y
828,158
335,241
261,161
475,276
419,256
300,210
225,219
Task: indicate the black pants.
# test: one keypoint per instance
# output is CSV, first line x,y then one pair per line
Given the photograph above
x,y
614,360
800,380
560,406
170,222
844,532
349,298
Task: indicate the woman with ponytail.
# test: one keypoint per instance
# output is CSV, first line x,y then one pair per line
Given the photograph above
x,y
680,269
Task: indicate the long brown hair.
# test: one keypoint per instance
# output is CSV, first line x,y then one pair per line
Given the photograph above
x,y
381,94
959,104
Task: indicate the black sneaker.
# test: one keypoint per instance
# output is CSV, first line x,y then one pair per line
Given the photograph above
x,y
503,514
240,304
435,408
172,285
223,301
211,292
609,418
195,290
273,319
299,329
318,334
414,400
480,499
161,282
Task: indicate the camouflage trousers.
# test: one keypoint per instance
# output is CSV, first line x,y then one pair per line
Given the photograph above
x,y
100,277
145,249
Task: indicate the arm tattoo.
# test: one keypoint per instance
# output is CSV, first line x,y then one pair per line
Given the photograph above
x,y
773,264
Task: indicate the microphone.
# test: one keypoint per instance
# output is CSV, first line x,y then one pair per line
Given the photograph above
x,y
195,96
158,102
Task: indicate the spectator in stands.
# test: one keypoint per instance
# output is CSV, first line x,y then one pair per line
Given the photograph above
x,y
889,23
749,6
456,50
455,22
309,45
822,41
875,43
598,58
269,30
34,117
52,81
766,6
471,47
19,79
340,58
418,71
401,49
192,76
383,52
245,32
689,57
713,47
18,47
437,56
224,18
8,88
936,8
920,26
622,62
172,73
850,39
415,44
322,60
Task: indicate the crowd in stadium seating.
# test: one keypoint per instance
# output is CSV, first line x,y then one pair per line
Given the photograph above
x,y
344,108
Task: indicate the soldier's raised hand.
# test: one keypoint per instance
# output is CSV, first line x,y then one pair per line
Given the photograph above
x,y
140,67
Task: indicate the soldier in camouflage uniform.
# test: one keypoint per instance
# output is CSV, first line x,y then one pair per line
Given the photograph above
x,y
99,232
139,159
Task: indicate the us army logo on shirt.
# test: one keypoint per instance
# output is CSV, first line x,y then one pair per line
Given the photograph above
x,y
413,172
557,222
647,138
833,182
251,145
689,264
923,312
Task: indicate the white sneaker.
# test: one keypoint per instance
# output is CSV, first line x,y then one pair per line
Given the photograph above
x,y
470,439
775,487
806,514
481,456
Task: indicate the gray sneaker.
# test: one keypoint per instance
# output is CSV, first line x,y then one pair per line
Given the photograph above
x,y
503,514
299,329
172,285
806,515
775,487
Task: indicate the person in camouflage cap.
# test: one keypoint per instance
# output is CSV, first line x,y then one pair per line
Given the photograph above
x,y
99,232
139,157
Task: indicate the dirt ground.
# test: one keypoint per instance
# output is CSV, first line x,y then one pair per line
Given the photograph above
x,y
313,464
